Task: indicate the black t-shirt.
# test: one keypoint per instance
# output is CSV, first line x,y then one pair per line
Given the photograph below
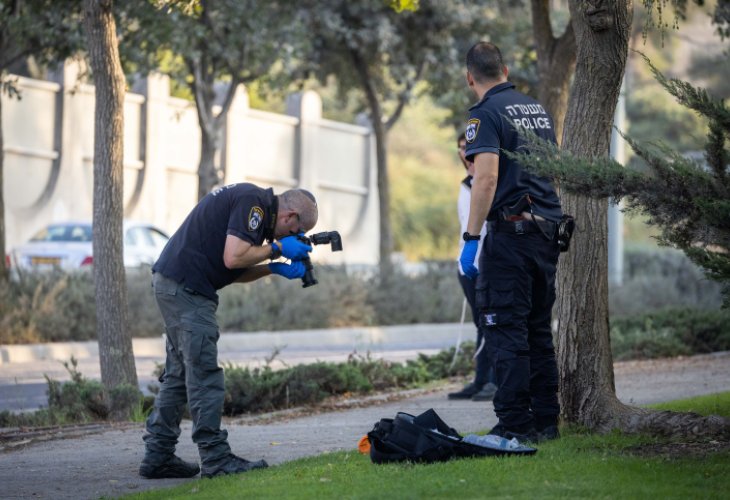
x,y
194,254
492,128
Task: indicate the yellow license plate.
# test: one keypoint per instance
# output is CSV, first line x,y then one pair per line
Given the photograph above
x,y
45,261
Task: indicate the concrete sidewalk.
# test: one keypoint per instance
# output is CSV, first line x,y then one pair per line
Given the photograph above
x,y
105,464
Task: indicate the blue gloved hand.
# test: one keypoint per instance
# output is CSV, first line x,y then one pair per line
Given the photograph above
x,y
468,254
290,271
294,249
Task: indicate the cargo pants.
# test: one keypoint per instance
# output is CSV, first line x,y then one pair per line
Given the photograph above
x,y
191,376
515,295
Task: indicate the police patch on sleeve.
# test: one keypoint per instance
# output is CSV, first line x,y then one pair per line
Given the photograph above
x,y
472,129
255,218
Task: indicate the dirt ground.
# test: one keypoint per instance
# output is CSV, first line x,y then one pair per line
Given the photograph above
x,y
101,460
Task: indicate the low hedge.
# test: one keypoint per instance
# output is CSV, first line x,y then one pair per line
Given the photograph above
x,y
669,333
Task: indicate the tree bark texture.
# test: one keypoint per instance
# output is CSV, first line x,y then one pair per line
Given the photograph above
x,y
3,251
585,363
587,391
115,344
381,138
555,63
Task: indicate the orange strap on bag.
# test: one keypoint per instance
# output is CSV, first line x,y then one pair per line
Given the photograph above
x,y
363,446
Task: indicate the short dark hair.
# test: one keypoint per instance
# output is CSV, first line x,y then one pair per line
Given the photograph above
x,y
462,137
484,62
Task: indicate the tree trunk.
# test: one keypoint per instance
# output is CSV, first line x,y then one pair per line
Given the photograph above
x,y
386,232
587,391
208,172
381,158
118,371
555,63
3,267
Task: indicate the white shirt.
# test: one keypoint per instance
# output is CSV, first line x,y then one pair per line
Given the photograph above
x,y
462,206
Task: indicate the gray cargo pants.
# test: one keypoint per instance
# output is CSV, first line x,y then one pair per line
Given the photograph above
x,y
192,375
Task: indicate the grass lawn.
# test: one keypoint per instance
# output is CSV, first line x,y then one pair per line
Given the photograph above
x,y
575,466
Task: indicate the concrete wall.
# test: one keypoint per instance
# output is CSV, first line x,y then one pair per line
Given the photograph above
x,y
49,136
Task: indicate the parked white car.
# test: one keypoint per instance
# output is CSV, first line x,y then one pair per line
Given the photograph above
x,y
68,246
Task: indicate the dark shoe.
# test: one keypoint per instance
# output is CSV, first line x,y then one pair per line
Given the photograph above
x,y
467,392
231,465
523,435
486,394
174,467
549,433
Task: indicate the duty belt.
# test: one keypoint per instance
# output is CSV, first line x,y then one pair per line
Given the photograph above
x,y
523,226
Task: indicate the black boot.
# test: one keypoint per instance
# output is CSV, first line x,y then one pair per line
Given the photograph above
x,y
174,467
467,392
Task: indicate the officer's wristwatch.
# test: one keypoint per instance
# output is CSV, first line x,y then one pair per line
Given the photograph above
x,y
471,237
275,251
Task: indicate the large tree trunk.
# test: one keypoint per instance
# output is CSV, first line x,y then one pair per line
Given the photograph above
x,y
118,371
587,392
555,63
3,267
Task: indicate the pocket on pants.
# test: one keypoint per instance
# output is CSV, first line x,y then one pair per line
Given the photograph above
x,y
203,345
500,293
164,286
497,310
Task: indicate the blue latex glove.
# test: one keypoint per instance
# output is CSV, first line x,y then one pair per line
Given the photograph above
x,y
468,254
294,249
290,271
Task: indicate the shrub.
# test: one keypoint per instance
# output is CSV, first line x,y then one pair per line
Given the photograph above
x,y
660,278
264,389
670,333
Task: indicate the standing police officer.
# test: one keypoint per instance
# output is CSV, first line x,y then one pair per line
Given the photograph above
x,y
516,277
220,242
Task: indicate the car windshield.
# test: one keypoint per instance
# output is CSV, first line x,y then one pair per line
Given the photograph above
x,y
64,232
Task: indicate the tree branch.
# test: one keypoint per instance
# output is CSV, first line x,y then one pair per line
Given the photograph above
x,y
404,97
203,107
541,27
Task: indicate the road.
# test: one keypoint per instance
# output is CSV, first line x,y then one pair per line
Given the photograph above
x,y
23,368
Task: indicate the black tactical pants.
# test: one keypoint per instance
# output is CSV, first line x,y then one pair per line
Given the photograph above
x,y
192,376
484,372
515,296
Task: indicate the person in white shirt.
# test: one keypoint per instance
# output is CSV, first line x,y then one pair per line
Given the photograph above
x,y
482,388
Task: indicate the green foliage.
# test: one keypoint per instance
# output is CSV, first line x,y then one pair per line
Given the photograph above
x,y
684,197
509,26
59,307
80,400
658,17
251,390
46,30
47,307
424,177
660,278
709,404
670,333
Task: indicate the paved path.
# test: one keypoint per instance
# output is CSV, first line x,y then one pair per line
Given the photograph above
x,y
105,463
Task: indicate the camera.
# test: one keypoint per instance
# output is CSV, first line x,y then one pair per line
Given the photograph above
x,y
328,237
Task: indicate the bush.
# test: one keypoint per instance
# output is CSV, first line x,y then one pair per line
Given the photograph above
x,y
60,307
47,307
263,389
670,333
660,278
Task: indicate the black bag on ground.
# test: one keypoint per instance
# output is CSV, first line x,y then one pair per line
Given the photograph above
x,y
427,438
